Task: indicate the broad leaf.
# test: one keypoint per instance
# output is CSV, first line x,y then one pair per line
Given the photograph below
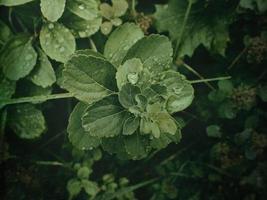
x,y
77,135
207,24
136,146
26,121
18,57
13,2
86,9
120,41
52,10
157,47
57,41
104,118
81,27
127,95
43,74
89,78
180,91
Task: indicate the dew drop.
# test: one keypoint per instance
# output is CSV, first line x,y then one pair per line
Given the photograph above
x,y
51,26
62,49
81,7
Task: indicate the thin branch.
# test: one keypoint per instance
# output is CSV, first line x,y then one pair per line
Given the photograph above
x,y
237,58
92,44
209,79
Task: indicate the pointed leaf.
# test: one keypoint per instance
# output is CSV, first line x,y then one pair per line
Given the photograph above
x,y
104,118
89,78
120,41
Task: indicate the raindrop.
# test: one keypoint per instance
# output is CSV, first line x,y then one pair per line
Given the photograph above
x,y
62,49
51,26
81,7
132,77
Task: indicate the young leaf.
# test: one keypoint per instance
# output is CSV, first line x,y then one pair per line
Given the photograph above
x,y
104,118
165,139
127,95
52,10
154,46
89,78
180,92
90,187
129,72
43,74
77,135
81,27
120,7
86,9
18,57
120,41
57,41
214,131
26,121
7,87
74,187
5,33
207,24
83,172
130,125
13,2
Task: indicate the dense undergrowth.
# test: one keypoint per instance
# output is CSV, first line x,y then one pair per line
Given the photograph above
x,y
128,99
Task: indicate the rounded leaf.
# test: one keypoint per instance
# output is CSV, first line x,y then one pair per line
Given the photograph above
x,y
52,10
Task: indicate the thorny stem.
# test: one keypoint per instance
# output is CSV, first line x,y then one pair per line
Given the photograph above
x,y
35,99
210,79
190,3
237,58
198,75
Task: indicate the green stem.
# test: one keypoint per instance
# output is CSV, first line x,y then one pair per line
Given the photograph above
x,y
35,99
237,58
92,44
210,79
10,20
198,75
190,3
133,9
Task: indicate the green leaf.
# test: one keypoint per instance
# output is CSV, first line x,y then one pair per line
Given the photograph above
x,y
207,24
86,9
7,87
106,27
226,86
259,5
131,124
77,135
74,187
136,146
120,41
157,47
52,10
57,41
5,33
214,131
43,74
129,72
120,7
82,28
89,78
127,95
90,187
165,139
180,91
83,172
104,118
26,121
13,2
18,57
262,92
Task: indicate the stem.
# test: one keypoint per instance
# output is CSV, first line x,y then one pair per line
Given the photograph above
x,y
35,99
3,118
10,20
210,79
198,75
237,58
92,44
133,9
190,3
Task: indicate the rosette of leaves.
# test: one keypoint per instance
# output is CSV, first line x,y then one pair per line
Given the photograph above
x,y
112,14
128,95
